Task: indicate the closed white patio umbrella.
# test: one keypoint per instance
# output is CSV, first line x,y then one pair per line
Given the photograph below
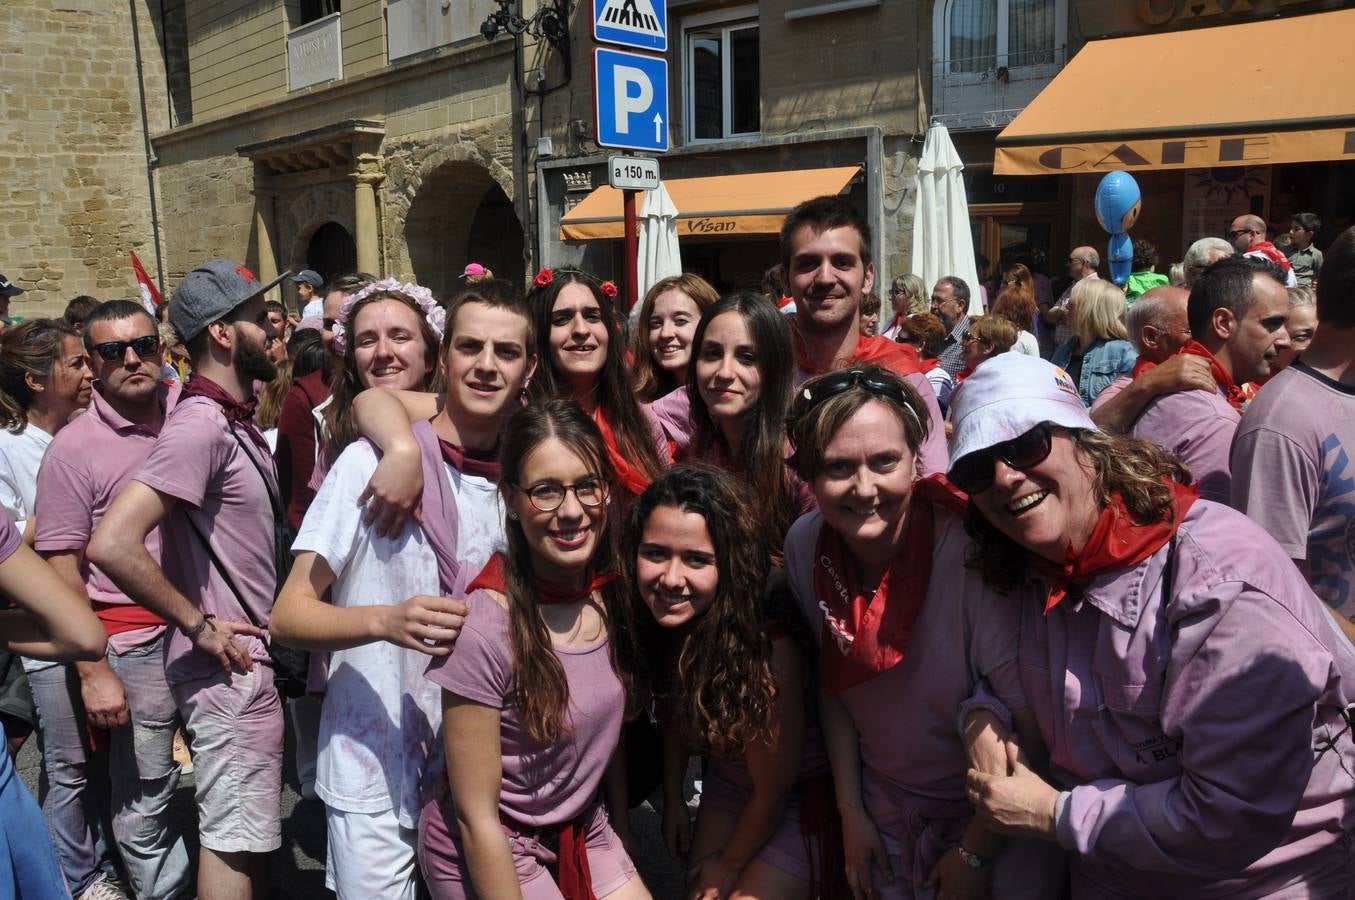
x,y
942,241
659,254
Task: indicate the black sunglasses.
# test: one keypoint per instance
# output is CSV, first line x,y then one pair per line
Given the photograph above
x,y
843,381
973,472
144,346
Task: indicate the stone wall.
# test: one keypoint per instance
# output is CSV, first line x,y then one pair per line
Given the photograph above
x,y
73,183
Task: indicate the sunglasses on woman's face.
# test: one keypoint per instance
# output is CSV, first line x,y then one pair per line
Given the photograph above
x,y
973,473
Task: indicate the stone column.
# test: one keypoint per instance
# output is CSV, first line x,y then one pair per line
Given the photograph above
x,y
365,180
267,260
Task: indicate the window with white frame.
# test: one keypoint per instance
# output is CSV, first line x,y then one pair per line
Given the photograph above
x,y
983,35
721,77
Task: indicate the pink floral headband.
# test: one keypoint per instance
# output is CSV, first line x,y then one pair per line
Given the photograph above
x,y
432,310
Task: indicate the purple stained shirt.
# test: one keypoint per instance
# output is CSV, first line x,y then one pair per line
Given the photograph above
x,y
543,786
913,759
1198,427
1182,728
197,462
1293,474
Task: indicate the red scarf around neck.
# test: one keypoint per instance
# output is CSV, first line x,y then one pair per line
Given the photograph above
x,y
632,478
484,463
1117,543
901,359
866,634
1221,375
235,411
494,577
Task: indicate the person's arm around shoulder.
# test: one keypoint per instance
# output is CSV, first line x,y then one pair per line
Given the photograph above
x,y
385,417
1180,373
471,732
52,621
773,764
119,549
301,619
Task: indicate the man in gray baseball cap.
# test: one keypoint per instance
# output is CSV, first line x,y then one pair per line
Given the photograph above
x,y
209,485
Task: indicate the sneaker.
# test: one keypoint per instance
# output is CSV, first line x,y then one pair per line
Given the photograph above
x,y
104,888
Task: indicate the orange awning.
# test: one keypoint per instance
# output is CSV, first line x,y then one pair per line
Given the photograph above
x,y
755,203
1233,95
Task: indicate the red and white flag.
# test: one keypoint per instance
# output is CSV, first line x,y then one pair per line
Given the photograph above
x,y
150,297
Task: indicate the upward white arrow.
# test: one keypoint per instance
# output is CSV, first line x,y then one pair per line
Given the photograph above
x,y
658,128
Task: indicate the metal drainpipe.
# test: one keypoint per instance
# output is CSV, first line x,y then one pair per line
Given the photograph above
x,y
150,157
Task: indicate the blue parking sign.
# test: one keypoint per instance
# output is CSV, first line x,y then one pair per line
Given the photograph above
x,y
630,94
642,24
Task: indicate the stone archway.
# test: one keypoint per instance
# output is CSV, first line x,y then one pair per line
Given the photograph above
x,y
331,251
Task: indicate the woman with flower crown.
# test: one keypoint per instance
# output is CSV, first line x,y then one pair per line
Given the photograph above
x,y
583,358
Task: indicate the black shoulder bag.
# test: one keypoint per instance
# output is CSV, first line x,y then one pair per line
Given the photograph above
x,y
290,666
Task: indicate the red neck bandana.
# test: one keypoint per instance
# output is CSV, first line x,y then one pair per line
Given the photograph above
x,y
1221,375
901,359
865,635
236,413
1272,253
494,577
484,463
1117,543
1143,365
632,478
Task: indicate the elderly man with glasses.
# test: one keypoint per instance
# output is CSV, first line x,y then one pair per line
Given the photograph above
x,y
1054,317
1248,237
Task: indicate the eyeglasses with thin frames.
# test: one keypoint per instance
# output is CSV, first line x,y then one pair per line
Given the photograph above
x,y
549,496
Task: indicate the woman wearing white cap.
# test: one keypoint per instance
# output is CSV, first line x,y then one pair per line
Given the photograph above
x,y
906,634
1191,690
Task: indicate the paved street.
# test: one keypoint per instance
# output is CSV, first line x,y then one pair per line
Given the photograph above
x,y
297,870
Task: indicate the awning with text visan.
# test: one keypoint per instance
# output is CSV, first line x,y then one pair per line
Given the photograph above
x,y
754,203
1233,95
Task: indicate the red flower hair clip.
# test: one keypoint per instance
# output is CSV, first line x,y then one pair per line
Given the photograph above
x,y
543,278
608,288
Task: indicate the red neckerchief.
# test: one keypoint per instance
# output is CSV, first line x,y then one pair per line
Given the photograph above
x,y
631,477
784,302
865,635
926,365
236,413
1221,375
1272,253
963,374
1117,543
494,577
901,359
1141,366
575,879
484,463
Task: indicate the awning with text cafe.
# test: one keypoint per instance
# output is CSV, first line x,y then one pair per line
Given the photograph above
x,y
753,203
1254,94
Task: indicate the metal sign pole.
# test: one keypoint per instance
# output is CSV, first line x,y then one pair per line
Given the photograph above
x,y
632,249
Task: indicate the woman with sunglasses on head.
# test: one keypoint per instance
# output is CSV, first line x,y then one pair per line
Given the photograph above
x,y
1191,690
733,681
537,687
907,634
583,358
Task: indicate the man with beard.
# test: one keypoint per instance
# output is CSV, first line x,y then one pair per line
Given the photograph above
x,y
124,695
208,484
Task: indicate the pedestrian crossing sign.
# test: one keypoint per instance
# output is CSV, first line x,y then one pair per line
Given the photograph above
x,y
642,24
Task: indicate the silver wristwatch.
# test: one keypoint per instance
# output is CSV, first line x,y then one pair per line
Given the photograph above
x,y
973,860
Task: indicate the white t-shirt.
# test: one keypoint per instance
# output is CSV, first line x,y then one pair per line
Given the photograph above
x,y
1026,343
20,458
380,744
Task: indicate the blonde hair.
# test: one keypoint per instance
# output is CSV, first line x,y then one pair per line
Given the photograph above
x,y
995,331
1098,311
916,292
271,397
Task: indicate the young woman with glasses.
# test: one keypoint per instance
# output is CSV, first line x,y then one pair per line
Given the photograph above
x,y
907,636
536,690
1193,693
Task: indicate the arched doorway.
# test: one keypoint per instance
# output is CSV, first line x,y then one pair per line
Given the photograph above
x,y
331,251
461,215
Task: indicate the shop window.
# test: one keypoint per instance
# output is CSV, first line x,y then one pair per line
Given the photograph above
x,y
721,76
310,10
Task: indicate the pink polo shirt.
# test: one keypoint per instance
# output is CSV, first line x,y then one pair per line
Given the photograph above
x,y
76,487
1198,427
1183,724
197,462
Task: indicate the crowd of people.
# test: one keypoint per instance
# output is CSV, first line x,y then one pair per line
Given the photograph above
x,y
1007,595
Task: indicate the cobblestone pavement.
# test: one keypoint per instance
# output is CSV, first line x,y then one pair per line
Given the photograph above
x,y
297,870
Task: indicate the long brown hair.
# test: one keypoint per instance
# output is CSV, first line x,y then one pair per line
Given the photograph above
x,y
616,398
720,685
652,382
340,424
31,348
1139,471
542,691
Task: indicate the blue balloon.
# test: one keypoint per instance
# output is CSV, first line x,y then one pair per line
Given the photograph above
x,y
1118,201
1120,258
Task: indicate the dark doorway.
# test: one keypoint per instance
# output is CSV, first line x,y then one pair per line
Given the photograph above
x,y
496,239
461,215
331,251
